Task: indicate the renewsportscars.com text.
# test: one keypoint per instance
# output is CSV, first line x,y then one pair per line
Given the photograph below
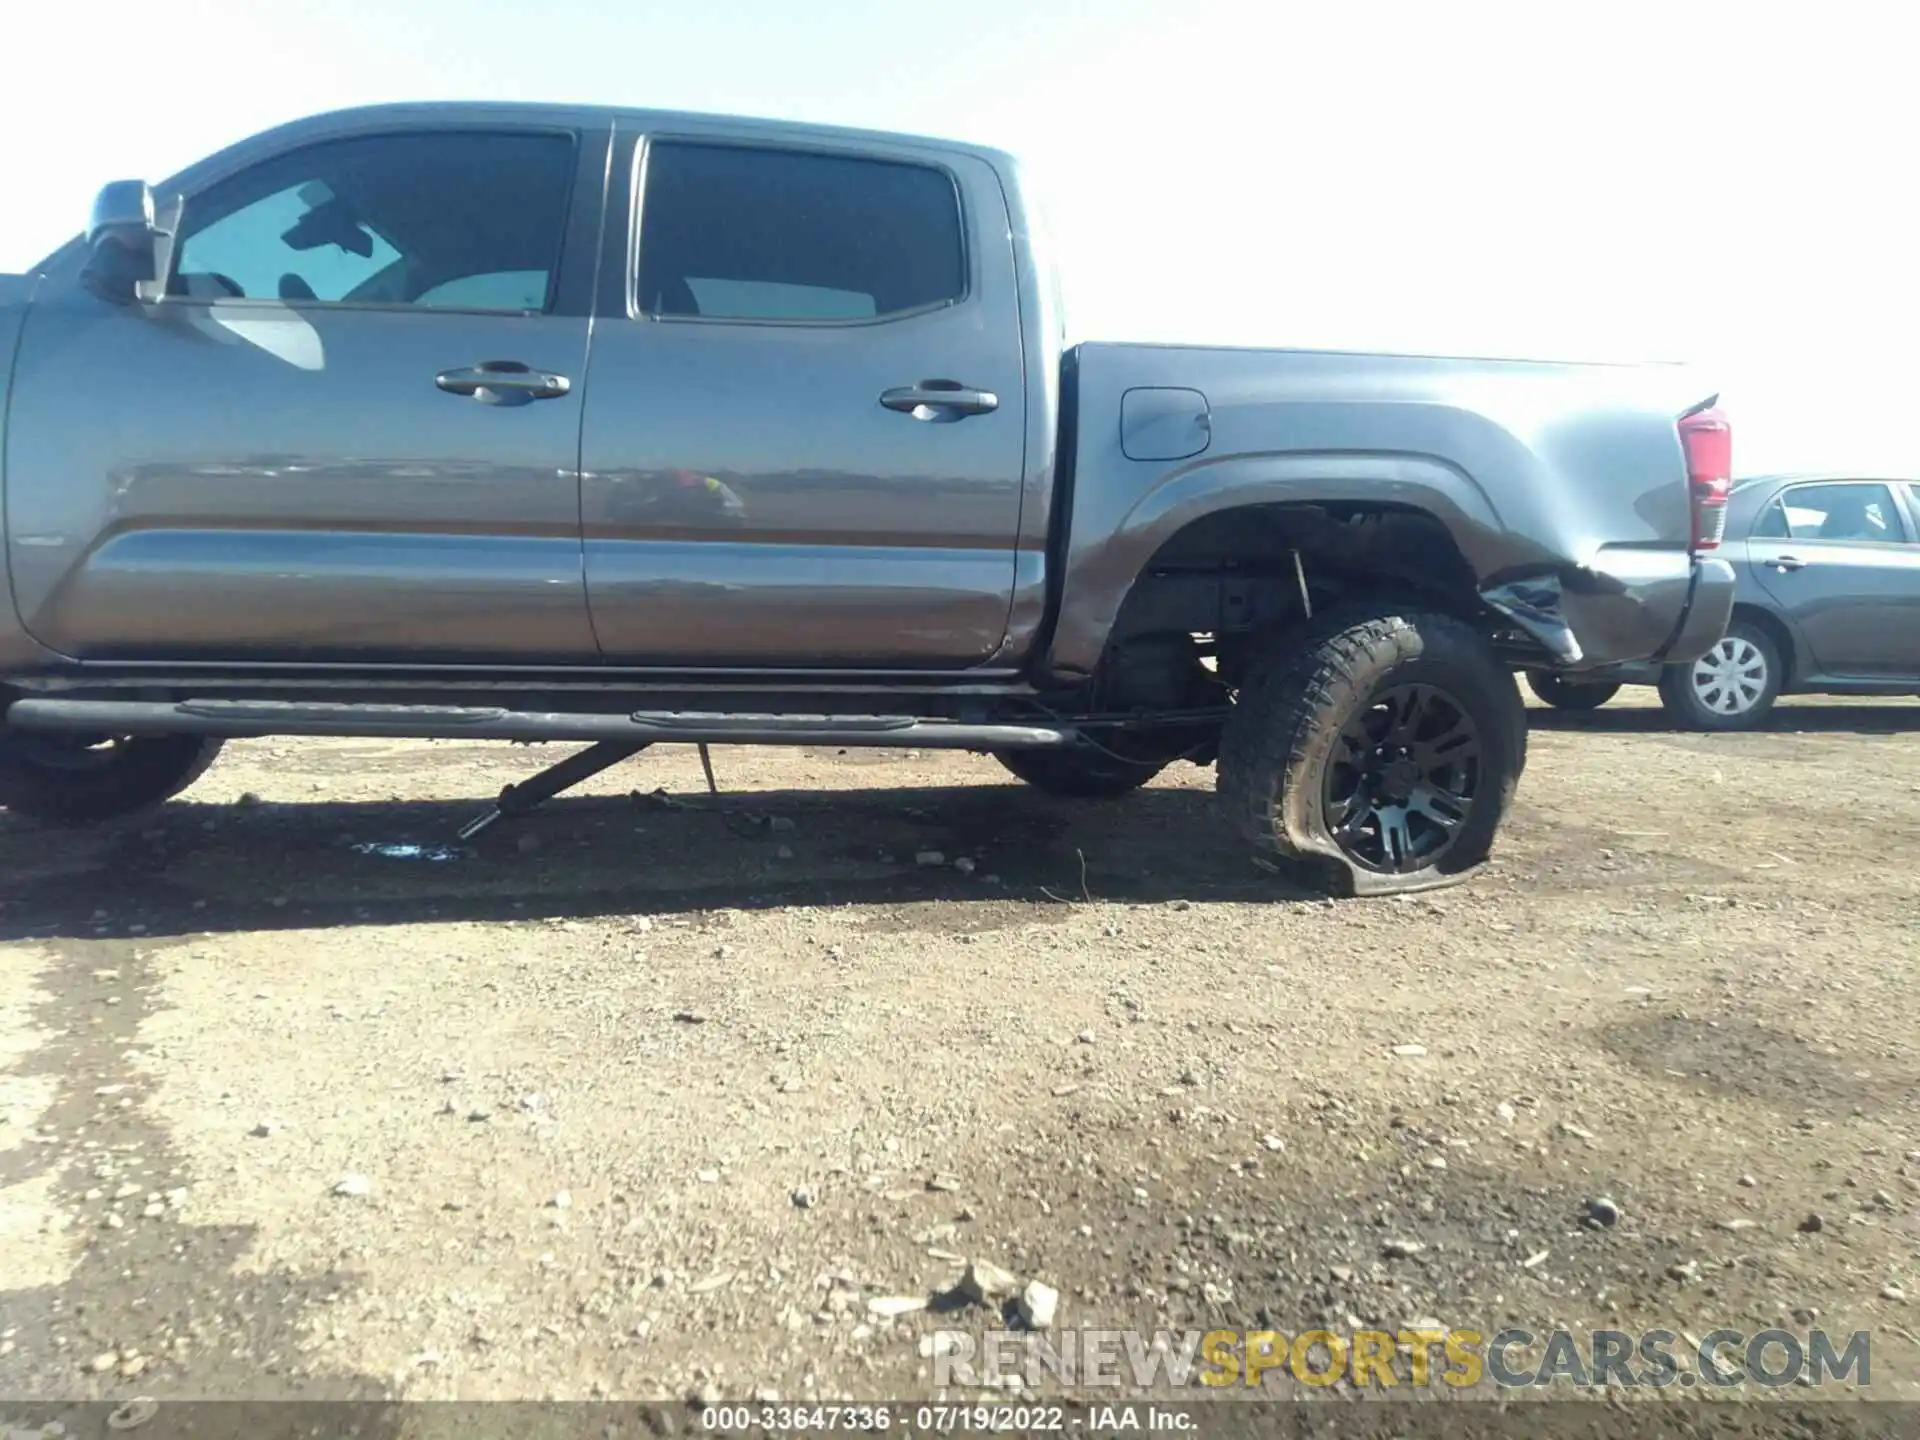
x,y
1458,1358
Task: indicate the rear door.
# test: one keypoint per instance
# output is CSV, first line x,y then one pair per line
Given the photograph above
x,y
804,435
1840,558
297,455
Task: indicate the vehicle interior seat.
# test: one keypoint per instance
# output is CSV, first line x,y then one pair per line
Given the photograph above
x,y
1853,517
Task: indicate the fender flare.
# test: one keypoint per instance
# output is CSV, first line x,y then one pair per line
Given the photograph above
x,y
1099,574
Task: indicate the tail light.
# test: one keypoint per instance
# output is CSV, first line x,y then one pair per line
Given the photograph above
x,y
1707,439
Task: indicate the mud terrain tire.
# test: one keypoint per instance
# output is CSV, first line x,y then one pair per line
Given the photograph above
x,y
1379,753
84,779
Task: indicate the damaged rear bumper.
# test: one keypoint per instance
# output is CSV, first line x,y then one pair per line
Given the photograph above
x,y
1657,607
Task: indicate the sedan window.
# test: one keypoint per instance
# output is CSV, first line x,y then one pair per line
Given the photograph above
x,y
1850,510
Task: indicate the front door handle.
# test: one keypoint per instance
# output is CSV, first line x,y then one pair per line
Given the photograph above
x,y
503,382
939,400
1787,562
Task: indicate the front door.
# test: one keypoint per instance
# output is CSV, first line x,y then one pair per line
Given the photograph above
x,y
1838,558
348,433
805,427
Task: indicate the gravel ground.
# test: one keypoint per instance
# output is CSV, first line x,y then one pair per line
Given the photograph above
x,y
654,1095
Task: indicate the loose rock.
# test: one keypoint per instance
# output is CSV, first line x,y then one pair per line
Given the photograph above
x,y
986,1282
133,1414
354,1187
1401,1249
1603,1211
1037,1305
1812,1225
892,1307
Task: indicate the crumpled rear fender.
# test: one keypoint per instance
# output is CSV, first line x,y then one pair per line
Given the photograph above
x,y
1625,605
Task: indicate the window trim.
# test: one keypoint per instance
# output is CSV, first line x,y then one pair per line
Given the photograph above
x,y
636,229
570,133
1779,498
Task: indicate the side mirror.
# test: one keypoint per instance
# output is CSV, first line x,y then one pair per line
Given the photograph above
x,y
121,233
122,212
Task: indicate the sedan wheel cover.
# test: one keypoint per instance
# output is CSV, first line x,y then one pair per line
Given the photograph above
x,y
1731,678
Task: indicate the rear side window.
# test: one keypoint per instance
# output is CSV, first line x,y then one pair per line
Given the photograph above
x,y
777,235
1843,510
457,219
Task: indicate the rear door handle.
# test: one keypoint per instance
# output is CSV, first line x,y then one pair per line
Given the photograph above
x,y
503,382
1787,562
939,400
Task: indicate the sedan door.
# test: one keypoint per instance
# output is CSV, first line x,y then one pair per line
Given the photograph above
x,y
1839,559
350,430
805,434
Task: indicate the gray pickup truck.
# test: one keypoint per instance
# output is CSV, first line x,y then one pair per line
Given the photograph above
x,y
620,427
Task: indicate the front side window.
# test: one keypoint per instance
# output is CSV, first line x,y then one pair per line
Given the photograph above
x,y
457,219
1844,510
777,235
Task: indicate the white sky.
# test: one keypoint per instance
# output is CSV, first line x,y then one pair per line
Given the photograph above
x,y
1725,183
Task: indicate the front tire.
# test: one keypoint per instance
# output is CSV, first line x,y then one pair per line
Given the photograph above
x,y
1383,752
85,779
1731,687
1563,692
1080,772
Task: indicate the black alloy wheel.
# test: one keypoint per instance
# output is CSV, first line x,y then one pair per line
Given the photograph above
x,y
1403,779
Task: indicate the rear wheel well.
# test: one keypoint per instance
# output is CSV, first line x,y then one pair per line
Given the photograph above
x,y
1777,632
1256,569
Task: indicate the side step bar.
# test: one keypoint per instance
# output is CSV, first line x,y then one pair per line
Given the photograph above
x,y
243,718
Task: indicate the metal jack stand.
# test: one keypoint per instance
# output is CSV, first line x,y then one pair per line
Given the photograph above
x,y
517,800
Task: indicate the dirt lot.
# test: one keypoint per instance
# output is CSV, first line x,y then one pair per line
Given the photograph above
x,y
655,1098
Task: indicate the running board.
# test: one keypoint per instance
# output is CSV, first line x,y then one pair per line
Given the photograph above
x,y
242,718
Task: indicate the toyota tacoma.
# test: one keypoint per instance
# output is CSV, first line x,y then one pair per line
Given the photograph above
x,y
620,427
